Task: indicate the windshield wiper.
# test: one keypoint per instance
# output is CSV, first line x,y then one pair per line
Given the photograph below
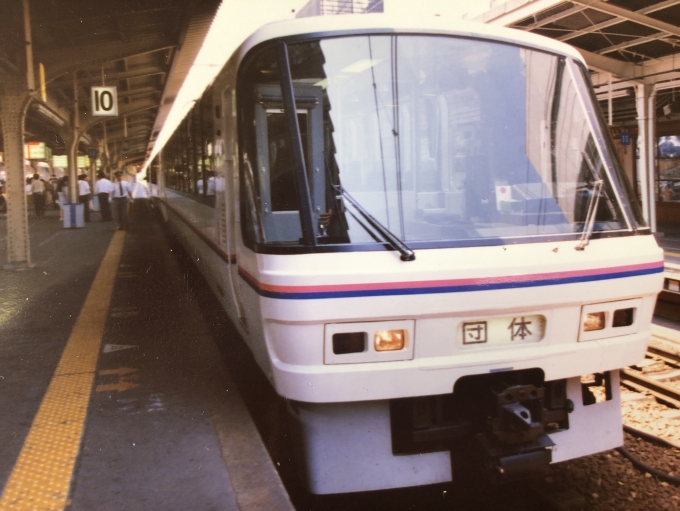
x,y
593,202
406,253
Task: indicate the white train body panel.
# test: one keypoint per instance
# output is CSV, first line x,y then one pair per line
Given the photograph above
x,y
531,298
295,327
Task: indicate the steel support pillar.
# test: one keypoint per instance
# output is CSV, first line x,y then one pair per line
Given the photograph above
x,y
72,145
160,175
14,100
645,102
93,173
105,164
651,158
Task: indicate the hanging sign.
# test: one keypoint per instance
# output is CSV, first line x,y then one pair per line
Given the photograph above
x,y
625,138
104,101
34,151
60,161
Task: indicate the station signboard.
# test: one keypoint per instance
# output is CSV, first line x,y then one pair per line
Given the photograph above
x,y
104,101
60,161
83,162
35,151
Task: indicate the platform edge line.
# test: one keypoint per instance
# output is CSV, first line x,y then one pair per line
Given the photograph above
x,y
41,477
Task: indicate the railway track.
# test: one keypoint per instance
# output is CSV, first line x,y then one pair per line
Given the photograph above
x,y
658,374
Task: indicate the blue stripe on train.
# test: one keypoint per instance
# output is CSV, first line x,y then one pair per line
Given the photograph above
x,y
446,289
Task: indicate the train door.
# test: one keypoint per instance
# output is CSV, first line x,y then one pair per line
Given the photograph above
x,y
227,195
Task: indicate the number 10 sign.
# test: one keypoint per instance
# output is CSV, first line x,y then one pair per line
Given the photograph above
x,y
104,101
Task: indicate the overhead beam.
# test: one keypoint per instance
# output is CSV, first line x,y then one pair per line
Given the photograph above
x,y
651,72
625,70
616,20
119,135
632,42
552,19
137,120
115,77
142,91
64,60
140,136
113,133
637,17
117,14
137,110
512,11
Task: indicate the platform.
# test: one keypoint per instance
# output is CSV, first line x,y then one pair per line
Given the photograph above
x,y
113,390
669,240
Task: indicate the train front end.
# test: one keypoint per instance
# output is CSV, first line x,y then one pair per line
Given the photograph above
x,y
443,263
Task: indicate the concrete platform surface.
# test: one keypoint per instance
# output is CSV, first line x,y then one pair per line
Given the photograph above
x,y
155,421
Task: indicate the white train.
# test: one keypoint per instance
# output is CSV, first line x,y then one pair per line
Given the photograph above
x,y
424,236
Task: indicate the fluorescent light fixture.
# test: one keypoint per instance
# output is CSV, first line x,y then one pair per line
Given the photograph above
x,y
60,161
322,83
361,65
50,115
234,21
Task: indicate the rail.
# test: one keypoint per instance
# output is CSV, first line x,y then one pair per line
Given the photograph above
x,y
637,380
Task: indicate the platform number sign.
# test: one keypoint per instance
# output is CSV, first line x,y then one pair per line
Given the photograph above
x,y
104,101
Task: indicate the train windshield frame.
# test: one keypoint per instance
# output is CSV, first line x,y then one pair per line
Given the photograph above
x,y
437,140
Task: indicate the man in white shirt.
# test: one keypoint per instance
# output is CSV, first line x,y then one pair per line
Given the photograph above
x,y
84,194
38,191
211,185
103,188
120,194
140,191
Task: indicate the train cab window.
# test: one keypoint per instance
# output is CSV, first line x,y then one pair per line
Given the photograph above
x,y
279,200
435,155
281,181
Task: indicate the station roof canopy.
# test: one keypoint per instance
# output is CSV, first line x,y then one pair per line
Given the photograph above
x,y
135,45
636,41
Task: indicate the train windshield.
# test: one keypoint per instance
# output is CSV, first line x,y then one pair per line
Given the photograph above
x,y
440,140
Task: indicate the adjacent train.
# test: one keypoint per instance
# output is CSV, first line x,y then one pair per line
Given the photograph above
x,y
423,233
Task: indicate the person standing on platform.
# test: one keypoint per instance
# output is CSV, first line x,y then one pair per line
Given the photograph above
x,y
54,182
84,195
29,193
38,191
103,188
49,193
121,193
3,201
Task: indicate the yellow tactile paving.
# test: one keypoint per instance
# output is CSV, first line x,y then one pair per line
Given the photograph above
x,y
42,475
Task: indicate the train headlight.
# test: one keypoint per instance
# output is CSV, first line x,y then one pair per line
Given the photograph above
x,y
593,321
390,340
609,319
369,341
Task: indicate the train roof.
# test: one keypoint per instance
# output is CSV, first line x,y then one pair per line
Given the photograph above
x,y
347,24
